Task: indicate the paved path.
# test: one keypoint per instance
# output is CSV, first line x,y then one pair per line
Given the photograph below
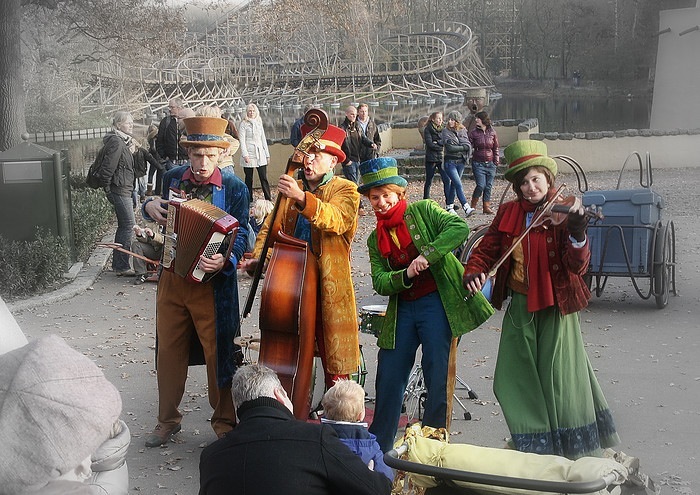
x,y
646,359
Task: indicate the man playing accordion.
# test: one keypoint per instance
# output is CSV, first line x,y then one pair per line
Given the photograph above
x,y
207,310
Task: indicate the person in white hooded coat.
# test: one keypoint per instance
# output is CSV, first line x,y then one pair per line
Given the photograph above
x,y
59,423
255,153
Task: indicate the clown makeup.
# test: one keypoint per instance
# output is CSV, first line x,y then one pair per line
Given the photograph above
x,y
203,161
534,186
317,165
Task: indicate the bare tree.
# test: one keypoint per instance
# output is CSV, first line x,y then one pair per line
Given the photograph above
x,y
86,32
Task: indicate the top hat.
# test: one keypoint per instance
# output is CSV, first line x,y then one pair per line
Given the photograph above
x,y
525,154
379,172
331,141
205,132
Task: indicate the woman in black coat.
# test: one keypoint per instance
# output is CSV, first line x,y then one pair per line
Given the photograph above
x,y
433,152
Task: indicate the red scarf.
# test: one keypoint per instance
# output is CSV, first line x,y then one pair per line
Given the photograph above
x,y
540,292
393,219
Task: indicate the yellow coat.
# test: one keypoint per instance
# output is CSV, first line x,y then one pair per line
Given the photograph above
x,y
332,212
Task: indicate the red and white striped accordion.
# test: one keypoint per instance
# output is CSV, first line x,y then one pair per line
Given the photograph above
x,y
196,228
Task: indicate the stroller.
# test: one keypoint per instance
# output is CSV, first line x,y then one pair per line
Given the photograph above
x,y
428,464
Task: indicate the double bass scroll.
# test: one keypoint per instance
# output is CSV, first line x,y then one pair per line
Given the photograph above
x,y
318,120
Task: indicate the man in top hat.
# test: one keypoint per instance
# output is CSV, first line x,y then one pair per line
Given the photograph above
x,y
208,310
322,210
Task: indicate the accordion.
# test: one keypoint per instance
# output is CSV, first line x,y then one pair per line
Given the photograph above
x,y
196,228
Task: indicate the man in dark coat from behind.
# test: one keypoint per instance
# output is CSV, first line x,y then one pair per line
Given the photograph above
x,y
270,451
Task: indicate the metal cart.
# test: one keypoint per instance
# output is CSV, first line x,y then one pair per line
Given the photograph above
x,y
631,241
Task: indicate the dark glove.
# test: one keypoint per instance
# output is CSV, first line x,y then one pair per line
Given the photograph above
x,y
577,225
469,277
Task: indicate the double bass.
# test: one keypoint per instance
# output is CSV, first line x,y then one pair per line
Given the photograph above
x,y
289,296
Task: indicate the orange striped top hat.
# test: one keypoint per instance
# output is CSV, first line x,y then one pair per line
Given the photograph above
x,y
331,141
205,132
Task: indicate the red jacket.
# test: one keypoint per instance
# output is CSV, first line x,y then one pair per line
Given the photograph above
x,y
567,264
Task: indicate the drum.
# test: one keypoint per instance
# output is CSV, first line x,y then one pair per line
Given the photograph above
x,y
371,318
361,374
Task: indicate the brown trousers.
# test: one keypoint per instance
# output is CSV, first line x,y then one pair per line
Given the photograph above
x,y
184,308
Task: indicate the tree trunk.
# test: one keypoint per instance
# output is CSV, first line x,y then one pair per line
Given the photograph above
x,y
12,120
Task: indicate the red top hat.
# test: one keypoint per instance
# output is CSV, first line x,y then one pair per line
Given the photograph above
x,y
331,141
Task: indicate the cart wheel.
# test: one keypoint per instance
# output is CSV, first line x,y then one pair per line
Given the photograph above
x,y
664,264
472,241
467,416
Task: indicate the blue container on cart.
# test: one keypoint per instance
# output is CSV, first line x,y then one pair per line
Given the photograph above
x,y
630,214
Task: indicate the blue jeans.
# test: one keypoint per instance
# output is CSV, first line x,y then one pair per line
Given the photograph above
x,y
430,168
422,322
484,173
351,171
123,207
454,170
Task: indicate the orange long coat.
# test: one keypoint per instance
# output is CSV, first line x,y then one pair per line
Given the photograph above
x,y
332,212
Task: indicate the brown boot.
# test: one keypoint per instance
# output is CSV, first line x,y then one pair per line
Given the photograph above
x,y
475,201
487,208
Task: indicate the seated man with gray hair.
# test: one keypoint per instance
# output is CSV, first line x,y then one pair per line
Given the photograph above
x,y
270,451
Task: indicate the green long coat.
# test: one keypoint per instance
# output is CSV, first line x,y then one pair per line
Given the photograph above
x,y
435,233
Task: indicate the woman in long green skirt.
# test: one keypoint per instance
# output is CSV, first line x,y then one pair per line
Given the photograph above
x,y
544,381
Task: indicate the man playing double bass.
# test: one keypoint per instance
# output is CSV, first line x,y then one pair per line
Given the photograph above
x,y
321,209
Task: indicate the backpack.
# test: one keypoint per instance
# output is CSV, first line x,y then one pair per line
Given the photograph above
x,y
92,178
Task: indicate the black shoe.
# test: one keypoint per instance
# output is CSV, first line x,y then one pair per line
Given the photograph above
x,y
140,279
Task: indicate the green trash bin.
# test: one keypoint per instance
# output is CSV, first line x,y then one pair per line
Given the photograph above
x,y
35,192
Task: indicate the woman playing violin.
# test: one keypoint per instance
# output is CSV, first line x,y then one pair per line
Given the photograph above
x,y
544,381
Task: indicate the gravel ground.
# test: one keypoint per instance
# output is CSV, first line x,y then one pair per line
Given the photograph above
x,y
645,358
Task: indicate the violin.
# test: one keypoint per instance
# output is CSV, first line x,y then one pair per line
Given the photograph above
x,y
553,212
557,210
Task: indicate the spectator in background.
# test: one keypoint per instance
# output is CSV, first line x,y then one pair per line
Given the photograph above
x,y
147,243
142,160
59,423
260,210
254,151
369,128
457,151
117,179
344,410
153,172
168,138
433,152
295,133
484,159
306,458
354,145
422,123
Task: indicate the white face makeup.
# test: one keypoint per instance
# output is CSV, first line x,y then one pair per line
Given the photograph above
x,y
203,161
